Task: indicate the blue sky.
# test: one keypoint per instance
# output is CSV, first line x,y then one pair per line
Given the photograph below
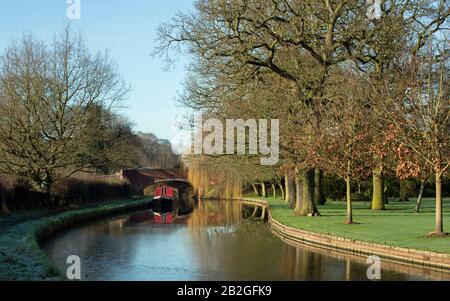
x,y
127,28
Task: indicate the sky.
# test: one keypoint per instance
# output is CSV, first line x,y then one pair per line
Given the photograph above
x,y
127,29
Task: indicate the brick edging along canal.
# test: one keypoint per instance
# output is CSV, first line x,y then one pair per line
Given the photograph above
x,y
413,257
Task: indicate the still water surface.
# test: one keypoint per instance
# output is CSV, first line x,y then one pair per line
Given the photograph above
x,y
214,244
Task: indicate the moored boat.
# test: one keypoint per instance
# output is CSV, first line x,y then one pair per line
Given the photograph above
x,y
164,206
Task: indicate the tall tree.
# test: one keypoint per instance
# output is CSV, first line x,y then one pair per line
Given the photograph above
x,y
419,111
243,38
378,51
46,91
344,149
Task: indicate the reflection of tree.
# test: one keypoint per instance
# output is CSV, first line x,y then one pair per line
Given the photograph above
x,y
348,269
288,262
216,213
240,251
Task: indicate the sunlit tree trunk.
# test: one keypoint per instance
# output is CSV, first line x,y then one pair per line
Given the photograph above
x,y
419,198
263,190
256,190
283,194
274,190
439,227
377,198
349,219
308,205
286,185
298,194
292,192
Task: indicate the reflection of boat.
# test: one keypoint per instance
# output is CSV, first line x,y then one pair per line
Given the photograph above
x,y
163,208
164,205
165,218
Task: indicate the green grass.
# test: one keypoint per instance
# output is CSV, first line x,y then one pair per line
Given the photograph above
x,y
21,257
397,226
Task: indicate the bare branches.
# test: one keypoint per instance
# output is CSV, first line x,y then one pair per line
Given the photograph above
x,y
47,92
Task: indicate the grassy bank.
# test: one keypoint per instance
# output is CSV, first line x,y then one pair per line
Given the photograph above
x,y
397,226
20,255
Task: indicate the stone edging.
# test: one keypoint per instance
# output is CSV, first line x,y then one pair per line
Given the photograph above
x,y
427,259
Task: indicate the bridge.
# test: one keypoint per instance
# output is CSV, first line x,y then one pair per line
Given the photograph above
x,y
144,181
142,178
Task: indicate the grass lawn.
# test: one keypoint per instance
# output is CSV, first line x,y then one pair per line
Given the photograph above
x,y
397,226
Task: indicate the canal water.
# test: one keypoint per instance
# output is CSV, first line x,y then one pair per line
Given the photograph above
x,y
215,243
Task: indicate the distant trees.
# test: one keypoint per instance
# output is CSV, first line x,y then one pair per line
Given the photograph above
x,y
155,152
110,143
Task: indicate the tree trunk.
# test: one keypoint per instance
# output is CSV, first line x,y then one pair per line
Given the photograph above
x,y
349,219
283,194
286,187
48,195
4,208
292,192
263,190
377,198
308,203
256,190
404,193
298,194
439,227
318,196
274,190
419,198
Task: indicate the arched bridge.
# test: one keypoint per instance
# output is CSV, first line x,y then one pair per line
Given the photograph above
x,y
144,181
142,178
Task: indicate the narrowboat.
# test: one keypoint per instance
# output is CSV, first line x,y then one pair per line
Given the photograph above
x,y
164,206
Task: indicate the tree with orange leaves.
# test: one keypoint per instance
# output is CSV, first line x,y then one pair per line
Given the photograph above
x,y
418,108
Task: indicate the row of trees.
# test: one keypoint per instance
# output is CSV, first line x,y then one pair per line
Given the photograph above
x,y
58,114
356,96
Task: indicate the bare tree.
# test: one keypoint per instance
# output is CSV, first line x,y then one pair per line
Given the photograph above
x,y
345,147
241,39
377,51
46,91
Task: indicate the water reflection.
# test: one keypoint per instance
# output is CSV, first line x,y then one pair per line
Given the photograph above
x,y
215,214
215,243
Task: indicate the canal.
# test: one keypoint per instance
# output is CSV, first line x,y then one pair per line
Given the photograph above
x,y
214,243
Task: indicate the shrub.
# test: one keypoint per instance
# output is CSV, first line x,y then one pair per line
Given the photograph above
x,y
18,193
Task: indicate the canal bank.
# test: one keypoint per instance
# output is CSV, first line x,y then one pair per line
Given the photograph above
x,y
217,243
21,257
407,256
195,251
